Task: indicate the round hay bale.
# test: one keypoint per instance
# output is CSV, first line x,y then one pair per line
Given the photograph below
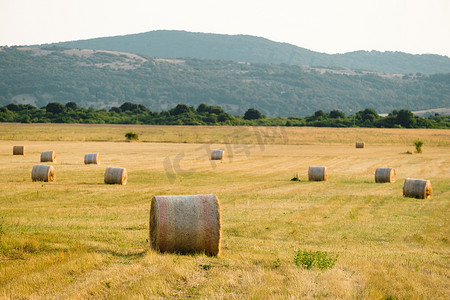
x,y
43,173
19,150
383,175
92,158
417,188
116,176
48,156
217,155
317,174
189,223
359,144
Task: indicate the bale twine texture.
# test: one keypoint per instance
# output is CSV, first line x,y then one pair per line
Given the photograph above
x,y
19,150
92,158
189,223
48,156
417,188
359,144
43,173
317,173
217,155
116,176
383,175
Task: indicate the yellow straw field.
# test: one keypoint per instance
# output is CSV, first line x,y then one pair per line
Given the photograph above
x,y
78,237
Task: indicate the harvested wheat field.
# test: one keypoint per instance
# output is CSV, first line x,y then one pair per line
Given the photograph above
x,y
80,238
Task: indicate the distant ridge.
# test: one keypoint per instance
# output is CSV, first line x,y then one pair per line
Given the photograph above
x,y
247,48
105,78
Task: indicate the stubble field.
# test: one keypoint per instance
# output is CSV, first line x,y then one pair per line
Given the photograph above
x,y
79,238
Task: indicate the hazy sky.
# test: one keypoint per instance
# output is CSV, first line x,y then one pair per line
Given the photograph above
x,y
331,26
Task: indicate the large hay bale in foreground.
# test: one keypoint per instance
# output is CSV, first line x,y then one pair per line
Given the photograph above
x,y
189,223
417,188
92,158
48,156
43,173
116,176
19,150
216,154
317,173
359,144
383,175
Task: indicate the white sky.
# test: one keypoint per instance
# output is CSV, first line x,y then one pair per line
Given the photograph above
x,y
331,26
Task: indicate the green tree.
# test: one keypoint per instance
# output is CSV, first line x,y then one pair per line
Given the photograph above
x,y
202,108
252,114
25,119
128,106
55,108
405,118
319,114
367,116
71,105
223,117
6,115
13,107
334,114
115,109
179,109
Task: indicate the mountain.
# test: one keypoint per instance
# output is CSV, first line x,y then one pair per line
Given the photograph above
x,y
102,79
246,48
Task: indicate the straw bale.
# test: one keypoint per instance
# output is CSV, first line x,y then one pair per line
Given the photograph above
x,y
48,156
116,176
188,223
216,154
92,158
383,175
43,173
417,188
19,150
317,173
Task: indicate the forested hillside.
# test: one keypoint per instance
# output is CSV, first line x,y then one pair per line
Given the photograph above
x,y
246,48
104,79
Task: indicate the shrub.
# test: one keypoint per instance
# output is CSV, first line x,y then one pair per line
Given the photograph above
x,y
319,259
418,145
132,136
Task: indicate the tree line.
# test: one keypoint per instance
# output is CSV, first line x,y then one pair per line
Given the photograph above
x,y
181,114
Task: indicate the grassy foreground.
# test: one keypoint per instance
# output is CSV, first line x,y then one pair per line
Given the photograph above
x,y
79,238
